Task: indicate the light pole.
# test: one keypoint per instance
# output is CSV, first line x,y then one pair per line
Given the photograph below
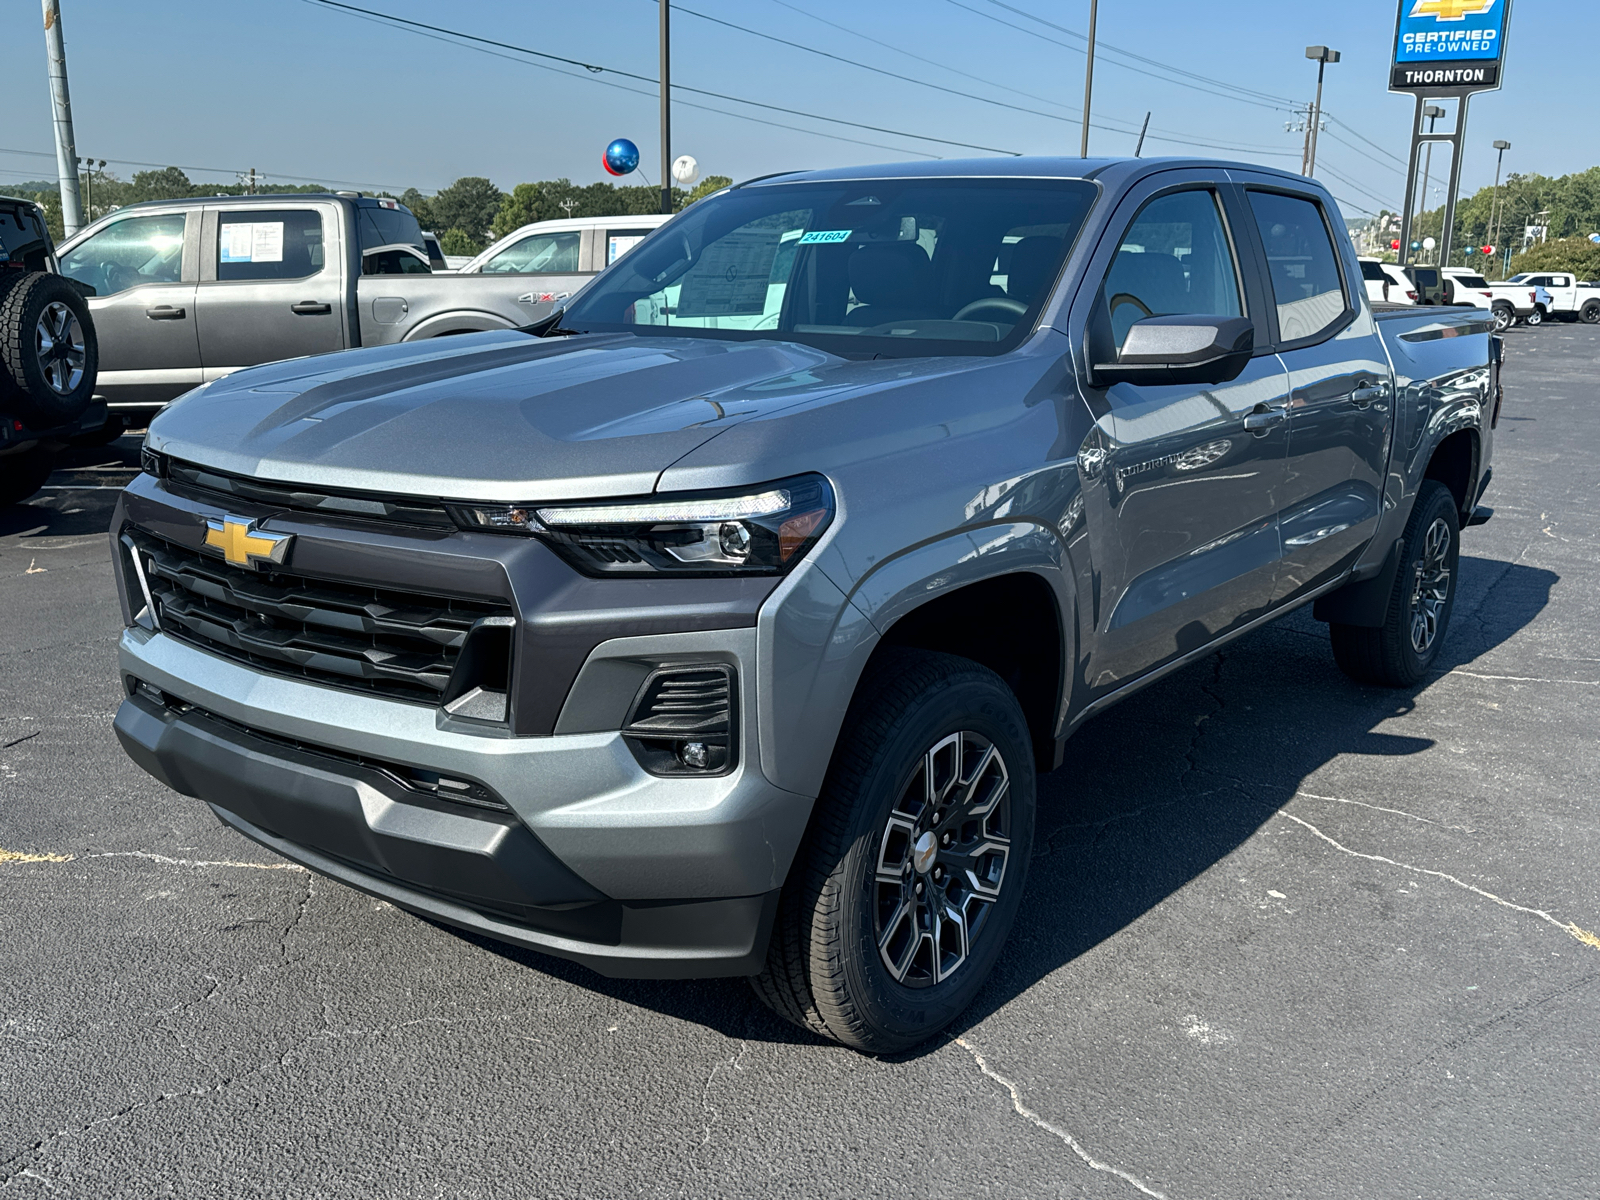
x,y
1088,80
1433,112
1322,56
1494,232
666,112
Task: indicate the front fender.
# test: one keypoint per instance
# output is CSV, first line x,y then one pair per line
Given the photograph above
x,y
464,320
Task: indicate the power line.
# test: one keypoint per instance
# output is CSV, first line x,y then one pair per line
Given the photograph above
x,y
1367,140
130,162
1348,182
596,69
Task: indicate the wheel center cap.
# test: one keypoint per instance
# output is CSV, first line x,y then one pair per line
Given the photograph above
x,y
922,854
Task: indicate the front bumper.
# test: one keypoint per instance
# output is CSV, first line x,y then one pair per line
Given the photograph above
x,y
598,861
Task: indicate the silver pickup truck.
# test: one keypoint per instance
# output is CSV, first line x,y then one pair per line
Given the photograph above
x,y
183,292
720,624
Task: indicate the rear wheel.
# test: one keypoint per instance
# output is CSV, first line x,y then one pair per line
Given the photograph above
x,y
1400,651
1591,313
21,475
1504,317
1536,317
897,906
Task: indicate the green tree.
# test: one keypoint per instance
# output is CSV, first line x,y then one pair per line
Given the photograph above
x,y
421,207
468,205
1576,254
711,183
459,241
169,183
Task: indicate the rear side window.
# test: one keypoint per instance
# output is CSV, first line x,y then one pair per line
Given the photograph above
x,y
1477,282
1302,263
620,241
1373,271
387,227
269,244
1174,259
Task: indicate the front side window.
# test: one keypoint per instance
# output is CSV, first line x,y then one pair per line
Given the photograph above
x,y
1174,259
899,267
269,244
1302,263
129,253
538,254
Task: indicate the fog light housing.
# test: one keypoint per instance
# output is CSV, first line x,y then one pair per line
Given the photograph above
x,y
682,720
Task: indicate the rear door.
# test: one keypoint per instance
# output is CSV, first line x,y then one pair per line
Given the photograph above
x,y
1340,408
271,285
1181,498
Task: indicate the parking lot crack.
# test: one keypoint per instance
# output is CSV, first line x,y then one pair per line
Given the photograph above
x,y
715,1113
1033,1118
1571,930
1399,812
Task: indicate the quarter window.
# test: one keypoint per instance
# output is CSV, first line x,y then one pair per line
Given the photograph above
x,y
1302,263
269,244
1174,259
129,253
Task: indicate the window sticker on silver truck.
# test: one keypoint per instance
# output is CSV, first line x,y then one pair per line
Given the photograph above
x,y
258,241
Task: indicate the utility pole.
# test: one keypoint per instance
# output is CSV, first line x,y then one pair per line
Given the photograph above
x,y
1322,56
252,181
1143,129
666,110
1500,158
1088,80
1433,112
61,105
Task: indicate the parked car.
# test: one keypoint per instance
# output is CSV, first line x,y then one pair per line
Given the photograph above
x,y
185,291
1386,282
48,355
561,256
1570,298
725,633
1518,302
1464,286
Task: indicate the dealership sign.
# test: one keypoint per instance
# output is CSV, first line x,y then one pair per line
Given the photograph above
x,y
1448,45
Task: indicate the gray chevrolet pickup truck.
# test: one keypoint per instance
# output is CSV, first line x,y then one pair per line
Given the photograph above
x,y
186,291
721,623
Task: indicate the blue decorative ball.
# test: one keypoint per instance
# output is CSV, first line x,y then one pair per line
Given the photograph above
x,y
621,157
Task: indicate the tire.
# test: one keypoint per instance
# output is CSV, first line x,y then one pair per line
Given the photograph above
x,y
1504,317
1400,651
1536,317
879,852
1591,313
21,475
48,352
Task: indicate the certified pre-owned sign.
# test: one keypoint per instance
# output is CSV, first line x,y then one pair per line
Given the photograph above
x,y
1447,44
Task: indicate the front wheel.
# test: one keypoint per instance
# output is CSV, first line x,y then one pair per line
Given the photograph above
x,y
898,905
1400,651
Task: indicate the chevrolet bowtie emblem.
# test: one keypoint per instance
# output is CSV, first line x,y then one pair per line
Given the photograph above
x,y
1451,10
239,542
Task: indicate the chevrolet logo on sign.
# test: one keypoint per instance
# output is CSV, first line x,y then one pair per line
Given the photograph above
x,y
241,544
1451,10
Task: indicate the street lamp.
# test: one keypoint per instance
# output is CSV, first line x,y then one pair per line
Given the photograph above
x,y
1322,56
1502,147
1433,112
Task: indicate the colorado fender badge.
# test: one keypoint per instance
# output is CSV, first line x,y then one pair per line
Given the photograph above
x,y
241,544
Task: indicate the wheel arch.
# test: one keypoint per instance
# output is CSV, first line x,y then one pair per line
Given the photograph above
x,y
1454,463
456,321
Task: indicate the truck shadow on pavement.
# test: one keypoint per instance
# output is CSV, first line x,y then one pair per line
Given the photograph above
x,y
1159,790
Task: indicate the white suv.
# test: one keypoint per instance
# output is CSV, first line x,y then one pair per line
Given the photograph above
x,y
1386,283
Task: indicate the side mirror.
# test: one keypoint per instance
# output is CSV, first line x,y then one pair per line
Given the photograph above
x,y
1186,348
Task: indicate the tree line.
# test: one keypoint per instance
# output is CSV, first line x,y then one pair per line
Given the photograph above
x,y
467,215
1572,205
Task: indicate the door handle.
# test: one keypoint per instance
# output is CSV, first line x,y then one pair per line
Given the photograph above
x,y
165,312
1264,418
1366,394
311,308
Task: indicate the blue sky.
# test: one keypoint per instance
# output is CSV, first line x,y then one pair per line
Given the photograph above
x,y
298,90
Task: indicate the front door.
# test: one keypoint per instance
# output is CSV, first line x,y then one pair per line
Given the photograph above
x,y
272,286
1341,408
1182,492
142,306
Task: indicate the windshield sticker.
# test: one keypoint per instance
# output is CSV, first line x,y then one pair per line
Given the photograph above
x,y
731,276
825,236
258,241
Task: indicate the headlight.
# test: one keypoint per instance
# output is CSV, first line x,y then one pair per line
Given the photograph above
x,y
152,462
762,530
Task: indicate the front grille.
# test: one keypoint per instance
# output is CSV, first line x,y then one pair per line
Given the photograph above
x,y
208,484
372,639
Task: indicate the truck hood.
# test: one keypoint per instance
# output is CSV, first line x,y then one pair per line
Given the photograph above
x,y
494,416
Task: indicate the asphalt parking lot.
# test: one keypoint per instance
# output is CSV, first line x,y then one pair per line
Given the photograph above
x,y
1285,936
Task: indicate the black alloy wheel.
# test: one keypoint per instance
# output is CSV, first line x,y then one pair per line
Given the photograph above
x,y
899,902
1401,651
1590,315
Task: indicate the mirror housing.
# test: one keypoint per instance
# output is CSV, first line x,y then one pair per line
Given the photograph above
x,y
1185,348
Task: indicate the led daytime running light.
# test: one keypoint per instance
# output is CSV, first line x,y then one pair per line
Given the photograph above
x,y
731,508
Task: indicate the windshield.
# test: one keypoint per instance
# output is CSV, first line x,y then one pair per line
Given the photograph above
x,y
864,268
